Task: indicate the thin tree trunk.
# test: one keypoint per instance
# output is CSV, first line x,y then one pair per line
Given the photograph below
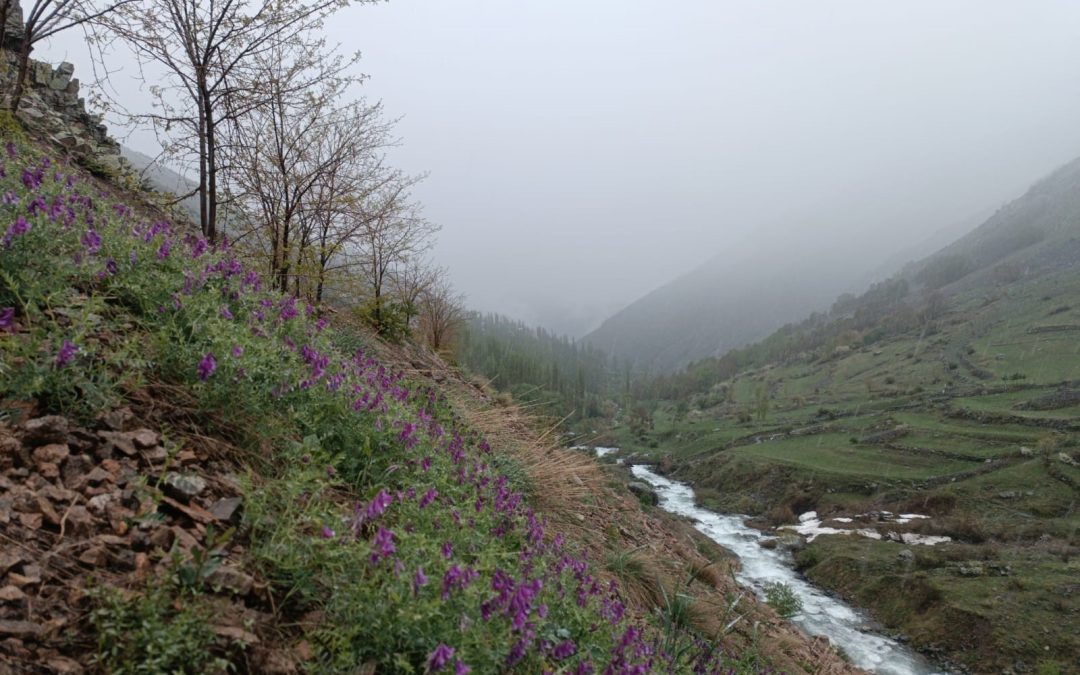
x,y
202,173
211,171
20,78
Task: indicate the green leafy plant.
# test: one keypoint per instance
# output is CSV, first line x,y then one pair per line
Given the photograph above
x,y
783,599
151,633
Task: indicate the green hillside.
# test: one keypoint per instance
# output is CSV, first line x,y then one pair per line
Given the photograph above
x,y
951,390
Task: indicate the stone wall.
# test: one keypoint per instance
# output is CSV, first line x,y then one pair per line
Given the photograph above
x,y
51,105
11,38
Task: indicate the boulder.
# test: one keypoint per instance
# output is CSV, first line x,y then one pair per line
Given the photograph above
x,y
45,430
12,35
62,77
644,492
183,487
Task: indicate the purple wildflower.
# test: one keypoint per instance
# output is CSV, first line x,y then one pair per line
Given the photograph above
x,y
164,249
419,580
207,366
225,313
428,497
461,669
20,227
91,241
457,578
447,550
237,351
198,247
7,320
439,658
66,354
382,545
288,308
327,533
111,267
564,649
374,509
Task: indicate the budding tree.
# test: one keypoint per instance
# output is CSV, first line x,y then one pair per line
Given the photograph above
x,y
298,153
201,54
442,313
392,234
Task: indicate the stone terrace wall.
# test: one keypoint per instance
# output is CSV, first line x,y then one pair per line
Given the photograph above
x,y
52,106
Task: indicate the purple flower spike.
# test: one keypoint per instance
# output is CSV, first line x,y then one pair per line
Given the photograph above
x,y
66,354
91,242
419,580
382,545
237,351
7,320
439,658
207,366
461,669
327,533
20,227
564,649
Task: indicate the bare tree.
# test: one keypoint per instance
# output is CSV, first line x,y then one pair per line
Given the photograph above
x,y
293,154
409,281
442,312
393,233
206,50
44,19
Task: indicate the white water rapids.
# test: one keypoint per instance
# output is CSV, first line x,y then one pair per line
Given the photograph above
x,y
820,615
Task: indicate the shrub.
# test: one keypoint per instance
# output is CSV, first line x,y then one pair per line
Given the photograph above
x,y
158,631
783,599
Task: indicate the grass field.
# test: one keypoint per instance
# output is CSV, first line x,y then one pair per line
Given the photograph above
x,y
933,423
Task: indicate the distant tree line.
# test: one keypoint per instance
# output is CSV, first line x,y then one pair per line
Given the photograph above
x,y
565,378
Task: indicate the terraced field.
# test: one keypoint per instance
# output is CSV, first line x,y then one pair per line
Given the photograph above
x,y
974,422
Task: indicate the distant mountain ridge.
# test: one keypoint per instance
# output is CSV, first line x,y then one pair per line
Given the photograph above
x,y
726,303
731,302
163,179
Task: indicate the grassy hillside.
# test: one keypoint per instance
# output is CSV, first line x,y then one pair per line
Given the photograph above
x,y
954,393
202,476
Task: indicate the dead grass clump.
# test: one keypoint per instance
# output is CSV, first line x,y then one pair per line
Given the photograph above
x,y
781,514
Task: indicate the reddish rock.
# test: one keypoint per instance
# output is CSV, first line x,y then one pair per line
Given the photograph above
x,y
96,556
54,453
30,521
76,467
145,439
11,594
62,665
116,441
45,430
118,419
78,520
21,629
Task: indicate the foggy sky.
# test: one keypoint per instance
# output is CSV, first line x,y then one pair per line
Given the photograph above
x,y
582,152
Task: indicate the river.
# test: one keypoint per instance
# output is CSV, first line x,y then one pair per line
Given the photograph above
x,y
820,615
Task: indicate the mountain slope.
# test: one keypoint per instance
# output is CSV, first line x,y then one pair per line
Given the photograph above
x,y
730,301
949,391
198,475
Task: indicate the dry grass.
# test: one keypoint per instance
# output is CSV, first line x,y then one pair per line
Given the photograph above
x,y
652,554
